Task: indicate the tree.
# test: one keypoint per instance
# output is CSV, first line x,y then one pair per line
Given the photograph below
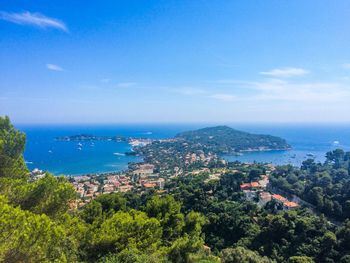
x,y
133,229
167,211
112,202
131,255
254,174
50,195
241,255
92,212
336,157
300,259
345,259
28,237
191,241
11,148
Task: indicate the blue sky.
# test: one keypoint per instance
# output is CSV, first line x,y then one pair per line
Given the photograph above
x,y
175,61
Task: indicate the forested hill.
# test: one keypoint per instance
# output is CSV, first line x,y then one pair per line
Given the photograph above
x,y
223,139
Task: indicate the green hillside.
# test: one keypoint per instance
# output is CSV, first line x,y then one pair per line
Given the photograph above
x,y
223,139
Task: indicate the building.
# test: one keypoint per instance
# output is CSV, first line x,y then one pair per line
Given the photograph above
x,y
149,185
286,204
290,205
279,199
160,183
264,198
144,170
246,186
125,188
250,186
264,181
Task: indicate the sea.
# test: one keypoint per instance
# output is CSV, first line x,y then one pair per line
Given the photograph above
x,y
44,152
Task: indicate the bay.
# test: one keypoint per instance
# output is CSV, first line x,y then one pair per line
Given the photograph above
x,y
68,158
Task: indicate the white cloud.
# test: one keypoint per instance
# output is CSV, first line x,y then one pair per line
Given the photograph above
x,y
273,91
285,72
346,65
224,97
33,19
126,84
189,91
312,92
54,67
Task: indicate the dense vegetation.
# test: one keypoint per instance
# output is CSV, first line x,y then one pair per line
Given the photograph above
x,y
326,186
36,224
199,220
207,145
223,139
294,236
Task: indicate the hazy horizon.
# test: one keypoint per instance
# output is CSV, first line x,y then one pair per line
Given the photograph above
x,y
204,124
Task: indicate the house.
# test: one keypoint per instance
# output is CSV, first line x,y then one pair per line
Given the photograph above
x,y
146,166
250,186
125,188
264,181
149,185
290,205
286,204
280,199
160,182
255,185
144,170
264,198
246,186
108,188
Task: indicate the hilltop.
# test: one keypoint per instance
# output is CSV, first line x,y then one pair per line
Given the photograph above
x,y
224,139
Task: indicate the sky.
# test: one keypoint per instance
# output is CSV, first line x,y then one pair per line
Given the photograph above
x,y
175,61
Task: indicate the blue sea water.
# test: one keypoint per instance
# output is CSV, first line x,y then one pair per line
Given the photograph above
x,y
64,157
44,152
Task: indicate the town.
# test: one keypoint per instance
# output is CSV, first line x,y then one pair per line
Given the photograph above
x,y
143,177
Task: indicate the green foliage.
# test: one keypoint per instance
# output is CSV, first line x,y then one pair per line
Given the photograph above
x,y
27,237
11,148
124,230
37,226
50,195
112,202
326,186
167,211
132,255
92,212
300,259
242,255
223,139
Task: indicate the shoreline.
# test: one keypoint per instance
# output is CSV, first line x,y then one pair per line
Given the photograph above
x,y
107,173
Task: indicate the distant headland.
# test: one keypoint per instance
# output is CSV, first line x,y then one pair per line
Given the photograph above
x,y
216,140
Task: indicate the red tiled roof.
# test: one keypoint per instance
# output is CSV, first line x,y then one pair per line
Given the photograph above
x,y
149,185
290,204
245,186
254,184
279,198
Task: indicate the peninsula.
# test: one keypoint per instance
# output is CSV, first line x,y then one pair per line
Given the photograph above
x,y
202,147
